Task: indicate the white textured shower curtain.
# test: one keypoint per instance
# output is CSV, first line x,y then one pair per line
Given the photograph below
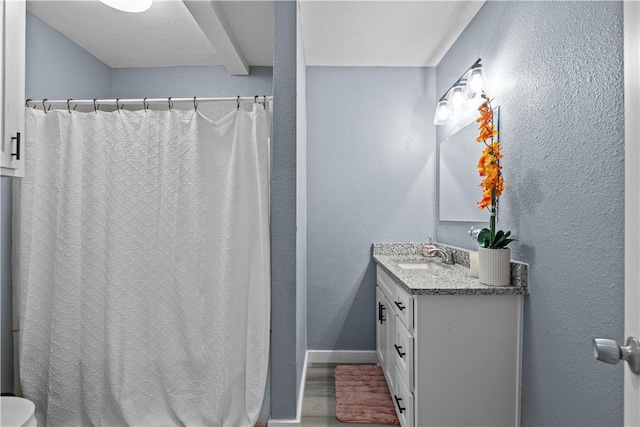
x,y
143,267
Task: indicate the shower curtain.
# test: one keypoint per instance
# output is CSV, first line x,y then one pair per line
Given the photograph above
x,y
143,267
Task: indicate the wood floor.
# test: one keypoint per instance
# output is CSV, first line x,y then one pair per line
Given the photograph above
x,y
319,402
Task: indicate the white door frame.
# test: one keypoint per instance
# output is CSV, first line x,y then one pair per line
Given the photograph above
x,y
632,200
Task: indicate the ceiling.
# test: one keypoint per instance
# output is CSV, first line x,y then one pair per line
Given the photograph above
x,y
240,33
168,34
382,33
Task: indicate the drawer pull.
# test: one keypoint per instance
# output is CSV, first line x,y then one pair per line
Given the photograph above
x,y
399,305
17,153
381,309
398,399
399,350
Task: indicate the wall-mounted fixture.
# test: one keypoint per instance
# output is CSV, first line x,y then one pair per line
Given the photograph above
x,y
462,95
132,6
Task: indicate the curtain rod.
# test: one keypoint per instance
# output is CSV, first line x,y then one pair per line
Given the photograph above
x,y
144,101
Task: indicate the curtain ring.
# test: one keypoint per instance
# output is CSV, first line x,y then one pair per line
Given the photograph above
x,y
255,99
118,104
195,104
170,104
264,104
44,107
238,102
95,107
26,103
145,105
69,105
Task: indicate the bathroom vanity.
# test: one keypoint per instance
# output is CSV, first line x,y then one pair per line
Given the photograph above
x,y
450,348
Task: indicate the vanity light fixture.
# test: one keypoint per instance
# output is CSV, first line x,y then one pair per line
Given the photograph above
x,y
467,88
131,6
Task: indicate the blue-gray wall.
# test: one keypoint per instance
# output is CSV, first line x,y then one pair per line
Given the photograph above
x,y
371,178
301,201
555,68
57,68
284,357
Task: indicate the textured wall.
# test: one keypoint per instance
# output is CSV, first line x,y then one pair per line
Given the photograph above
x,y
187,82
283,216
555,68
301,199
371,178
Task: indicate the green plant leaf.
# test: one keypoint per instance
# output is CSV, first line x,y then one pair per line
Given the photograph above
x,y
497,237
500,237
484,236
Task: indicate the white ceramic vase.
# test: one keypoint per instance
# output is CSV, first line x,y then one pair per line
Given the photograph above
x,y
494,266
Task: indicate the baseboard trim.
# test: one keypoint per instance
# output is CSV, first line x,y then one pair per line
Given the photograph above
x,y
342,356
297,421
283,423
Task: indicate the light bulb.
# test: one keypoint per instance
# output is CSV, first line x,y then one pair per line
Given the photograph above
x,y
442,113
132,6
457,97
476,82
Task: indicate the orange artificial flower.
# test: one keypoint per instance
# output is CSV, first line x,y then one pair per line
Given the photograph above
x,y
492,183
489,163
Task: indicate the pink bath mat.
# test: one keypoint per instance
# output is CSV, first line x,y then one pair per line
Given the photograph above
x,y
362,395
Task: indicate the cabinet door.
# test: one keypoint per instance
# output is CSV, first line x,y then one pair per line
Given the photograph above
x,y
389,358
403,346
12,144
381,326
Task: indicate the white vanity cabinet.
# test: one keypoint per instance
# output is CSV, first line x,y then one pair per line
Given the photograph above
x,y
12,86
450,360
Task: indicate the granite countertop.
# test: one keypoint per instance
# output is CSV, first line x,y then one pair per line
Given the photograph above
x,y
442,279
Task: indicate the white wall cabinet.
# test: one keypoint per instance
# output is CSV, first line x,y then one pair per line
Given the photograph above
x,y
12,78
450,360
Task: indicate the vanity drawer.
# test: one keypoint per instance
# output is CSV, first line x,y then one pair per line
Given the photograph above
x,y
385,282
403,400
403,345
403,303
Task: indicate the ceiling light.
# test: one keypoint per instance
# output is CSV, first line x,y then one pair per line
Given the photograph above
x,y
132,6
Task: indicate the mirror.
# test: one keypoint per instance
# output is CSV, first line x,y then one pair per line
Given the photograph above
x,y
459,180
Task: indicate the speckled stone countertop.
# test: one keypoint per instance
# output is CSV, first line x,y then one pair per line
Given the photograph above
x,y
443,279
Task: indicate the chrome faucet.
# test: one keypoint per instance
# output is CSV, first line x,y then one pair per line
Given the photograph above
x,y
446,255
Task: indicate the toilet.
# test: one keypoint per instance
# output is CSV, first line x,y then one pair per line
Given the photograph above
x,y
17,412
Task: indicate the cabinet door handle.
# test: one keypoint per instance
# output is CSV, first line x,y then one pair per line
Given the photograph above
x,y
399,305
381,309
399,350
17,138
398,399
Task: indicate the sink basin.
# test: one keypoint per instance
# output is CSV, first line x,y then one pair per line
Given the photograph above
x,y
415,265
